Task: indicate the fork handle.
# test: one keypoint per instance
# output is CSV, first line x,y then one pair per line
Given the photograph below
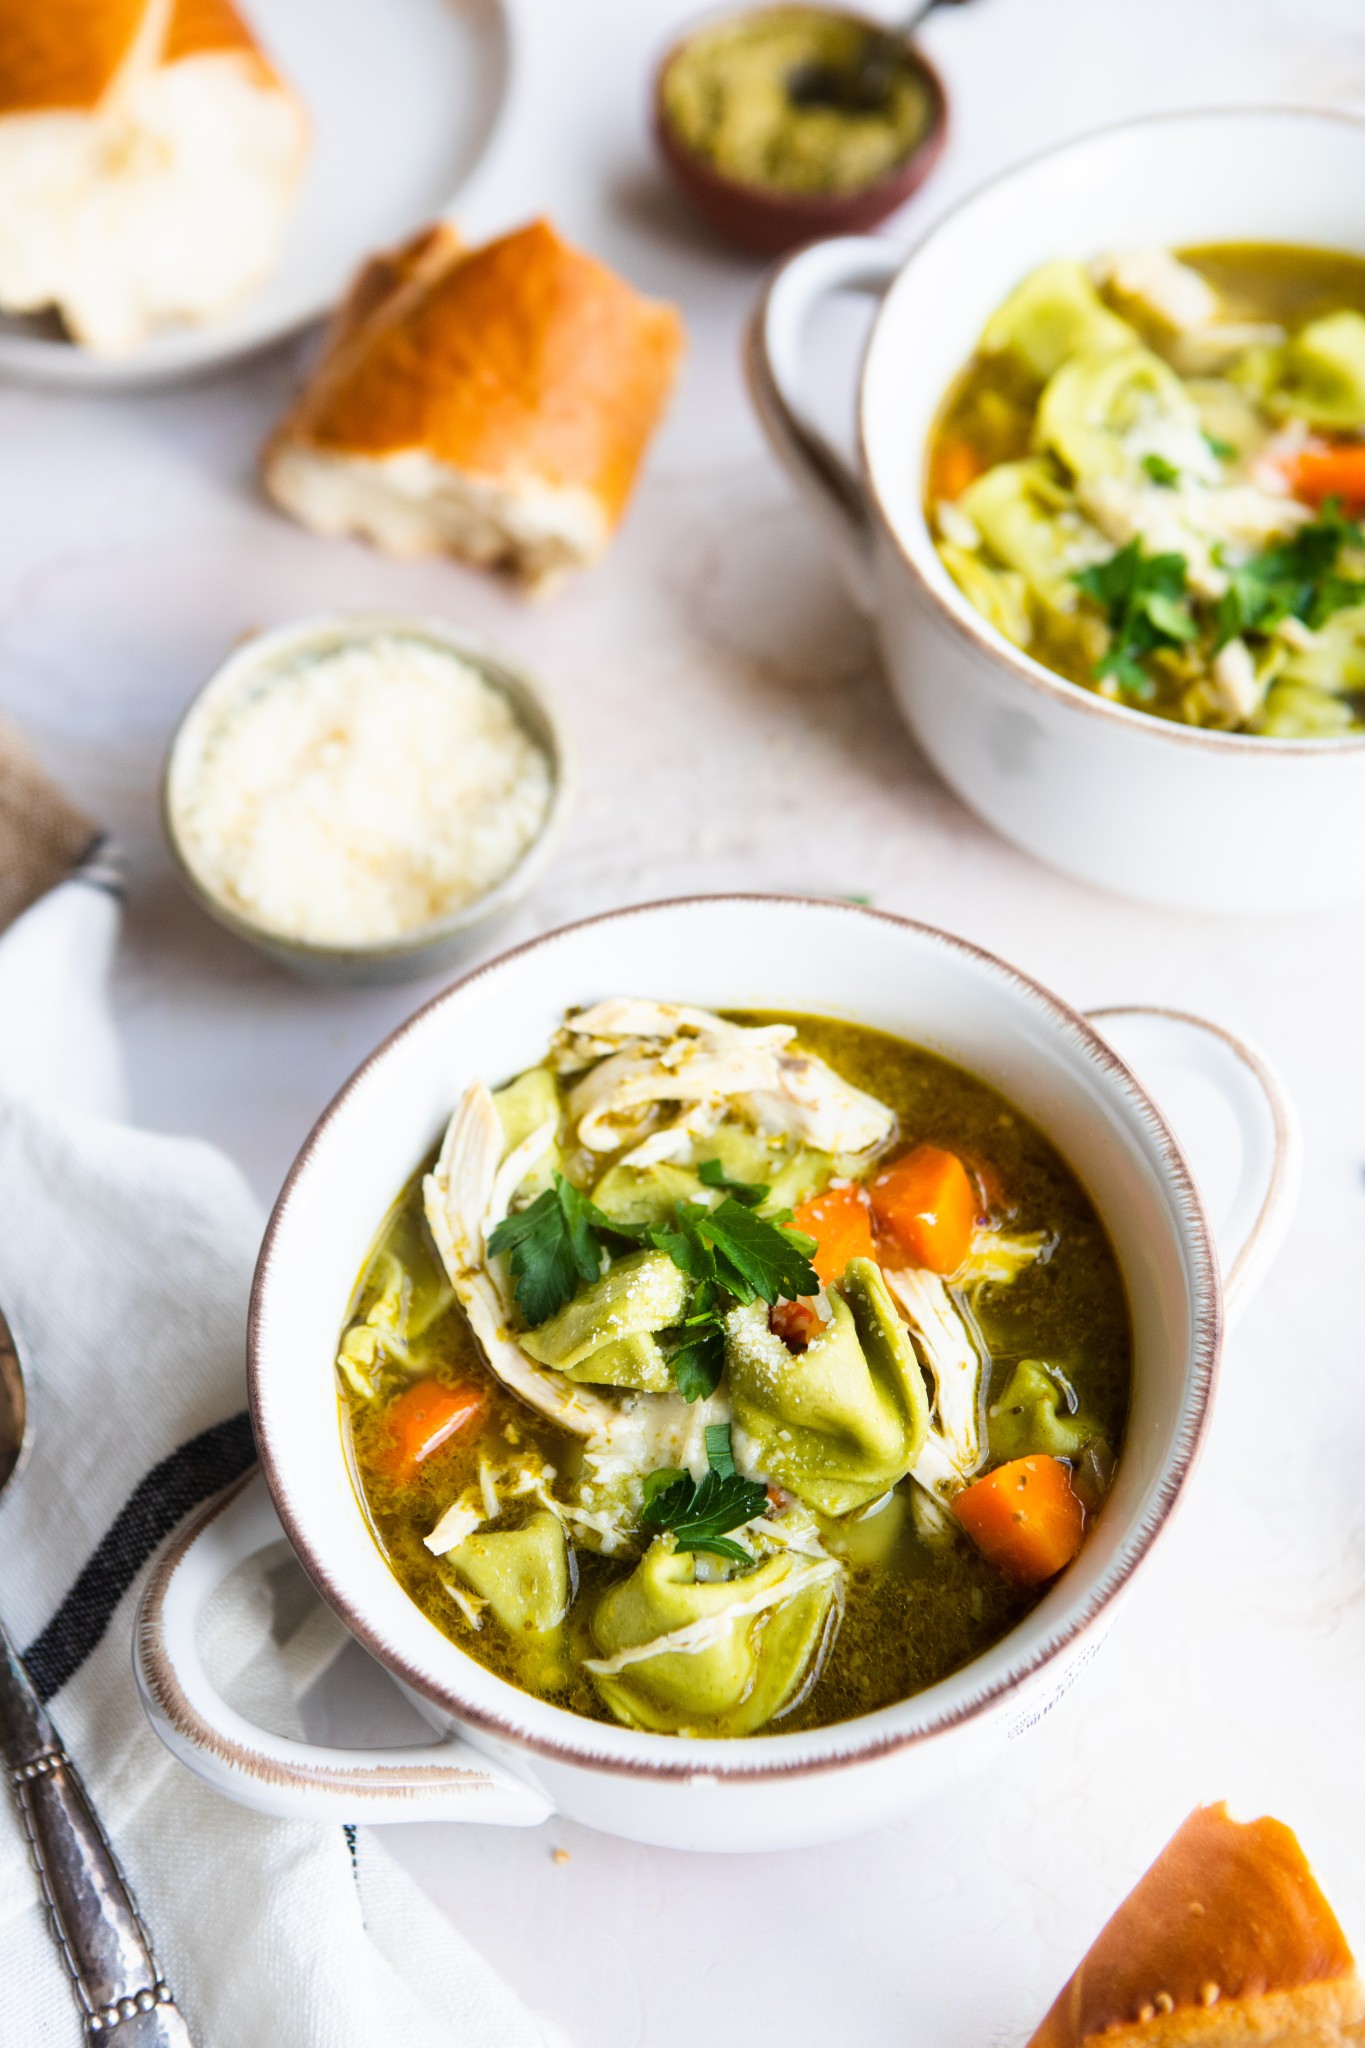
x,y
123,1998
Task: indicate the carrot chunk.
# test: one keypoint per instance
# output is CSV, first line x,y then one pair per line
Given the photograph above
x,y
841,1224
926,1204
1318,473
421,1419
1024,1517
955,464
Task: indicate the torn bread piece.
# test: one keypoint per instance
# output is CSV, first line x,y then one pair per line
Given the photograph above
x,y
149,157
491,403
1226,1940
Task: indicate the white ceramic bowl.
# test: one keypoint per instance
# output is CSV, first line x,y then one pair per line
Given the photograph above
x,y
250,669
1169,813
509,1757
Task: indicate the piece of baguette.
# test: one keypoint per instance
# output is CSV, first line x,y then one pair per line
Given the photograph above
x,y
1227,1942
491,403
149,157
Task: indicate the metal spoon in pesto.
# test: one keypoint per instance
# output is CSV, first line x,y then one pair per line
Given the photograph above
x,y
863,86
95,1923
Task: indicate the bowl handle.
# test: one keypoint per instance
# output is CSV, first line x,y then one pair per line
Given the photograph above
x,y
773,358
446,1780
1235,1123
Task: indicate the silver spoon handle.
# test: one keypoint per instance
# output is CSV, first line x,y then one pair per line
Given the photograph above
x,y
908,23
98,1929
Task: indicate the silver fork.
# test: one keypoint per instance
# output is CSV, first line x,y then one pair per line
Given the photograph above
x,y
123,1998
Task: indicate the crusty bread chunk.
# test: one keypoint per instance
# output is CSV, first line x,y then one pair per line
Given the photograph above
x,y
1227,1942
491,403
149,157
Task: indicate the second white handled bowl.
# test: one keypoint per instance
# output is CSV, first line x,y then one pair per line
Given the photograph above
x,y
1172,814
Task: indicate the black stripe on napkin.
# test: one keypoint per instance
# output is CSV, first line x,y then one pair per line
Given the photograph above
x,y
200,1468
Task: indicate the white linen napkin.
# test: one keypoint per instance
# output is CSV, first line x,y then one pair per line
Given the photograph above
x,y
125,1263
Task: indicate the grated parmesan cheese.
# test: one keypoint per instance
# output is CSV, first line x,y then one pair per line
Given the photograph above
x,y
364,793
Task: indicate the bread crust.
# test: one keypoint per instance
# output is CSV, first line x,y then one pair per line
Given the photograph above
x,y
521,361
68,54
204,28
1227,1939
379,281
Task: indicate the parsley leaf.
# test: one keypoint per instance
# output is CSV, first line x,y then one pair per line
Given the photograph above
x,y
756,1256
699,1512
1224,450
719,1455
728,1250
713,1175
553,1247
1297,578
659,1482
1168,617
1145,600
697,1363
697,1359
1161,471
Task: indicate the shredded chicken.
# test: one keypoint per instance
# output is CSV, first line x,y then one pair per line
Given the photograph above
x,y
1160,285
521,1161
946,1345
813,1104
1000,1256
1236,682
1174,297
458,1196
647,1054
936,1470
484,1500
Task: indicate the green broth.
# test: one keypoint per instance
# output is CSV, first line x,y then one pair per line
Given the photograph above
x,y
920,1613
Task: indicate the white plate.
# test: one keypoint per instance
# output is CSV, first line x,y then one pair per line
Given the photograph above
x,y
403,97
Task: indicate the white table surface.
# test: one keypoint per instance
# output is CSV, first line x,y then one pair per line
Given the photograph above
x,y
735,732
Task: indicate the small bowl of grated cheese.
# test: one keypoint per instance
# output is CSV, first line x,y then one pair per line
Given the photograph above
x,y
364,796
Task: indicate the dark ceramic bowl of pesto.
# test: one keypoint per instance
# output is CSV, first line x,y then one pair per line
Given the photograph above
x,y
759,119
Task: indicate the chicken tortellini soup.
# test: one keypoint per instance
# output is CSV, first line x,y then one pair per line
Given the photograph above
x,y
733,1373
1150,474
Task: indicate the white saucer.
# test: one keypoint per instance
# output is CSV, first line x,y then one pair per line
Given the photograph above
x,y
404,97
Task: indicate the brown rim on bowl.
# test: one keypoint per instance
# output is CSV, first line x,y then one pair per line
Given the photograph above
x,y
808,215
1201,1377
970,624
534,709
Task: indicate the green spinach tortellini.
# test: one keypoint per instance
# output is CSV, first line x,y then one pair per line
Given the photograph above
x,y
1096,400
841,1421
1033,1417
645,1195
399,1315
1053,313
1333,658
1029,519
1319,375
523,1573
523,1106
1000,595
681,1655
605,1335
